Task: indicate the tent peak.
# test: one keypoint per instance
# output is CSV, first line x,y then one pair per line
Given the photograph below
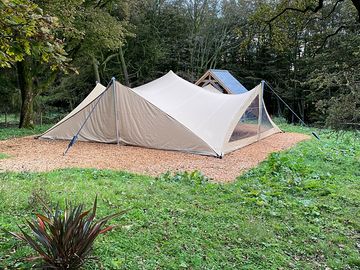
x,y
171,72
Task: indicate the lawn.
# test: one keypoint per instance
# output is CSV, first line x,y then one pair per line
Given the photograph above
x,y
8,133
297,210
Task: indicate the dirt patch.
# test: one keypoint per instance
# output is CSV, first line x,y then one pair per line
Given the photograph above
x,y
29,154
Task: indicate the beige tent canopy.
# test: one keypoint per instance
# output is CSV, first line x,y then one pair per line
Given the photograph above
x,y
211,88
168,113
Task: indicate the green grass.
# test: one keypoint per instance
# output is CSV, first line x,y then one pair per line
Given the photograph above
x,y
298,210
10,118
14,132
3,156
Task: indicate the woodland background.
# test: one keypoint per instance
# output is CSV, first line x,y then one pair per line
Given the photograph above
x,y
53,51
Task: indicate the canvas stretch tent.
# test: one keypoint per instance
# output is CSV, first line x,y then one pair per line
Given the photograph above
x,y
168,113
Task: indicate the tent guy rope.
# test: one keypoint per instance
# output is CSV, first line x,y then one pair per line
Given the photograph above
x,y
298,117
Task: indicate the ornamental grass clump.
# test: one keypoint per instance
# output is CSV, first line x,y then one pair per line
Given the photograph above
x,y
64,239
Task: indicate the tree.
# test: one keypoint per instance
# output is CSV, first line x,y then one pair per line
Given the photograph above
x,y
312,6
305,48
295,45
42,35
94,33
334,85
28,35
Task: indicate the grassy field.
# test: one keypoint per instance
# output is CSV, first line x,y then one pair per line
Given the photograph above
x,y
8,133
300,209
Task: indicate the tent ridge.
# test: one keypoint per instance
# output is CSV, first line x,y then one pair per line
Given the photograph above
x,y
172,117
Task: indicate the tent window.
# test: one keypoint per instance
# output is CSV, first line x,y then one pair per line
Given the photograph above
x,y
248,124
265,122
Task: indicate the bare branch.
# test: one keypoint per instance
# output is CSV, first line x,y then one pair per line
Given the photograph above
x,y
319,6
333,9
327,37
326,17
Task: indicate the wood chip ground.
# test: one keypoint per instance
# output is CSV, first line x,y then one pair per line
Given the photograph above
x,y
29,154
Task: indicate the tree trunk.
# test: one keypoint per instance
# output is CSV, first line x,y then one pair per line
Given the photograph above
x,y
5,117
279,111
124,68
96,69
27,94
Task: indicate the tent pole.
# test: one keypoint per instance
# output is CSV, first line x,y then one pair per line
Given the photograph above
x,y
74,139
115,110
260,108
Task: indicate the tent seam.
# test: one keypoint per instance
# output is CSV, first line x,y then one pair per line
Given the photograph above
x,y
173,119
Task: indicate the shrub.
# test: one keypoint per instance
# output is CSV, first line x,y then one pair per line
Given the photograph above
x,y
64,239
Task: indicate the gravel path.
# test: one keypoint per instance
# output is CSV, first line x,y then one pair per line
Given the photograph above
x,y
28,154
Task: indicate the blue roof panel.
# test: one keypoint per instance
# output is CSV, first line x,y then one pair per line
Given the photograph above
x,y
229,81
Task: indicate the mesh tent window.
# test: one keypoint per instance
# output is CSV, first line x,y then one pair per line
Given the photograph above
x,y
254,121
248,123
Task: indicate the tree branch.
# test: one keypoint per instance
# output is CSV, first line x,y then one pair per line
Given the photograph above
x,y
101,5
326,17
319,6
356,3
40,86
327,37
333,9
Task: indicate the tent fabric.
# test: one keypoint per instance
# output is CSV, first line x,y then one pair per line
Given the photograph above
x,y
168,113
98,128
211,88
99,88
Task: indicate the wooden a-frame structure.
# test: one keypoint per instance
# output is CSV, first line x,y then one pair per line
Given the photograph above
x,y
221,80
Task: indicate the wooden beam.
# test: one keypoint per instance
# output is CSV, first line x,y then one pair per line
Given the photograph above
x,y
203,77
227,90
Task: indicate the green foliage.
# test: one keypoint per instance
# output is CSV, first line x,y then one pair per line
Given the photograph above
x,y
93,33
8,133
3,156
310,58
193,178
9,102
299,209
344,111
26,31
64,239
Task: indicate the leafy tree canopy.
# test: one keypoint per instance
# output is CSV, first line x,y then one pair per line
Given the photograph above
x,y
25,31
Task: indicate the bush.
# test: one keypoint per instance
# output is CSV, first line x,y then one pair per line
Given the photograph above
x,y
64,239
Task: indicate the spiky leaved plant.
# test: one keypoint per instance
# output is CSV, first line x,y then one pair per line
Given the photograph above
x,y
64,239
